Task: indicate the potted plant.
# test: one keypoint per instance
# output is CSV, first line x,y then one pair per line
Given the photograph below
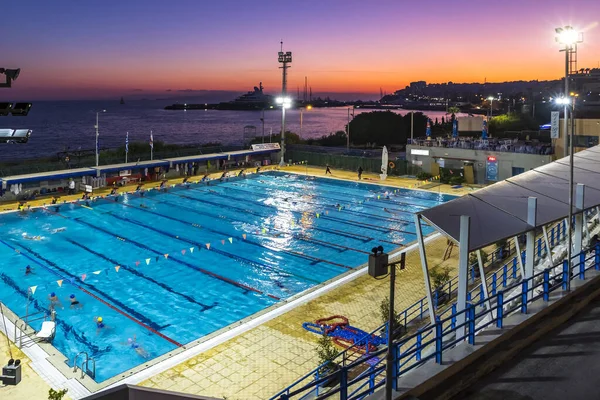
x,y
502,250
440,276
384,312
327,353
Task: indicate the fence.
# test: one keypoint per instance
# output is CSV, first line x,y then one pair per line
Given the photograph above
x,y
340,161
312,384
360,378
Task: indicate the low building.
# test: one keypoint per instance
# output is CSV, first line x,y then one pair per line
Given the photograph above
x,y
480,161
587,134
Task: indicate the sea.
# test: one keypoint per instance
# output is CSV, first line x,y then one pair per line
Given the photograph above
x,y
69,125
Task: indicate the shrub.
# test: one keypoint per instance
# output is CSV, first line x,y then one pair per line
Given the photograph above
x,y
326,352
456,180
57,394
423,176
439,276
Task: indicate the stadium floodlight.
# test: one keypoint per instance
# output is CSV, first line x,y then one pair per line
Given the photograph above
x,y
14,135
5,109
285,102
563,100
567,35
11,75
21,109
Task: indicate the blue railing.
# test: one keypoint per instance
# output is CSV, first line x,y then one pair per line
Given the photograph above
x,y
501,278
362,377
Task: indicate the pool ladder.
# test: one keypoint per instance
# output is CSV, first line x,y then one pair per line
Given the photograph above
x,y
85,369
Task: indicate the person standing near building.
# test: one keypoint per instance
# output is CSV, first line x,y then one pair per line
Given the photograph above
x,y
328,170
360,171
71,186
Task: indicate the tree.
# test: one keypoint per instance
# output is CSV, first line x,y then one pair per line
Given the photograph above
x,y
380,127
453,110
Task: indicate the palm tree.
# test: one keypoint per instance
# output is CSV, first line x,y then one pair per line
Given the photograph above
x,y
453,110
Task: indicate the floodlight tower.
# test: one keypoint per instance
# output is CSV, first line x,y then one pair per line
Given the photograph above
x,y
285,102
569,37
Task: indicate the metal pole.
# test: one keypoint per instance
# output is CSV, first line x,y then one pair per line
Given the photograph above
x,y
97,155
348,135
412,114
566,122
570,217
283,94
301,109
491,108
263,125
389,376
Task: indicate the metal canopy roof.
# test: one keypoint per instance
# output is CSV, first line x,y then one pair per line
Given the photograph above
x,y
49,175
500,211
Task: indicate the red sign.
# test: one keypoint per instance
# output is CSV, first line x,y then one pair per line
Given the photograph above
x,y
491,158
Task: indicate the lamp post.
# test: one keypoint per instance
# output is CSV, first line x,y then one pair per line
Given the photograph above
x,y
491,99
262,119
97,134
284,102
348,135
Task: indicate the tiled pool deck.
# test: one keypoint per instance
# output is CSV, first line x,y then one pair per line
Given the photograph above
x,y
260,362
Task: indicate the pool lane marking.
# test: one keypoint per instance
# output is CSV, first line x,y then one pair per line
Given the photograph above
x,y
296,235
80,337
349,222
72,280
206,272
199,245
143,276
285,251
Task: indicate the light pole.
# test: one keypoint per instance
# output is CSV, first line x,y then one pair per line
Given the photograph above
x,y
284,102
491,99
262,119
348,135
568,37
284,59
97,134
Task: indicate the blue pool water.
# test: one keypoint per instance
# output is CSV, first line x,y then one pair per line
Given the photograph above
x,y
168,301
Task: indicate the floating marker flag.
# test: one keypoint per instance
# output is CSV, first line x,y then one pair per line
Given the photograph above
x,y
191,249
33,289
147,261
83,276
97,272
208,246
222,242
231,240
166,255
183,252
60,281
137,263
244,236
117,268
318,215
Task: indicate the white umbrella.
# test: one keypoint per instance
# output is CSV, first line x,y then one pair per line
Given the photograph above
x,y
384,163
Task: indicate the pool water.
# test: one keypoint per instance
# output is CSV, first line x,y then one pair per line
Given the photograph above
x,y
170,268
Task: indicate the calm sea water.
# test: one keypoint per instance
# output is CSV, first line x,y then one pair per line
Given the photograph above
x,y
61,124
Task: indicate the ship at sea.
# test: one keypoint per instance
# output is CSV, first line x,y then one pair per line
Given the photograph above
x,y
253,100
122,101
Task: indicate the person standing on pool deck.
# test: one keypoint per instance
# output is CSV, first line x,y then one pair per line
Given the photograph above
x,y
71,186
360,171
328,170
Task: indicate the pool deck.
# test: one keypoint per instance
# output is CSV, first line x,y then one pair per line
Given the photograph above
x,y
261,361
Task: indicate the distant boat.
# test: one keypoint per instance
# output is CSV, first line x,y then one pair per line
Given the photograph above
x,y
122,100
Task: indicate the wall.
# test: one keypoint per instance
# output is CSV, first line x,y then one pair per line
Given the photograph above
x,y
455,158
583,127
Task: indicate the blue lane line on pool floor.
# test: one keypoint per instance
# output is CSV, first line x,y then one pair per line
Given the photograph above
x,y
144,276
67,329
73,278
314,260
239,285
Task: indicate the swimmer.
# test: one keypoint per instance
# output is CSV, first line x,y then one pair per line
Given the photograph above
x,y
74,302
185,180
54,200
205,178
241,173
100,324
54,301
136,346
139,187
163,185
28,270
257,169
213,191
142,205
113,191
59,230
223,176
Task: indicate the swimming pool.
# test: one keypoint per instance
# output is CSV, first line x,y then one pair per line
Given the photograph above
x,y
171,268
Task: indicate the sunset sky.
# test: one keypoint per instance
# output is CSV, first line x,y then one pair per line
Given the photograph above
x,y
94,49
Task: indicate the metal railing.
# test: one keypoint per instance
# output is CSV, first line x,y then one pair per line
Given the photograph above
x,y
362,377
499,279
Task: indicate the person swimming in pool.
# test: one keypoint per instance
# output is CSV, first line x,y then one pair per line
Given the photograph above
x,y
132,343
163,185
28,270
142,205
241,174
28,237
74,302
258,169
223,176
62,229
113,191
139,187
100,325
54,301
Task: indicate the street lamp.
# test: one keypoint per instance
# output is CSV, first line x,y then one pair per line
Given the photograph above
x,y
348,135
308,108
284,102
491,99
569,38
97,134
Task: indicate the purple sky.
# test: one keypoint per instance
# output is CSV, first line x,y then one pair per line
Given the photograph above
x,y
94,49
